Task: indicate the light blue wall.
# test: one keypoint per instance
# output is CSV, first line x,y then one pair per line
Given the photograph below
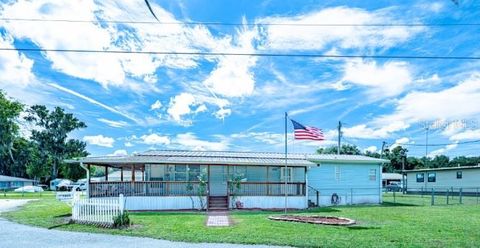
x,y
354,185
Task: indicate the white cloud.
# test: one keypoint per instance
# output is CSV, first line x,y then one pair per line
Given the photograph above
x,y
180,105
15,68
447,104
400,142
389,79
99,140
371,149
156,105
113,123
442,150
191,141
315,38
128,144
155,139
119,153
466,135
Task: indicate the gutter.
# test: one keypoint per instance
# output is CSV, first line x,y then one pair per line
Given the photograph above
x,y
88,178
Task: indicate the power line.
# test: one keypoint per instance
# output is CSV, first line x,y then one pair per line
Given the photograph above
x,y
249,24
444,144
240,54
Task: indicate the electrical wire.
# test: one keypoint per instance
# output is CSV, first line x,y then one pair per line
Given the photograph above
x,y
249,24
240,54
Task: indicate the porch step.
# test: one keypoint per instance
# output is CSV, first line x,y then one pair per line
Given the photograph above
x,y
217,202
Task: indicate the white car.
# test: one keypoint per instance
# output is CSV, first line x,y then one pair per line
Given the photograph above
x,y
29,189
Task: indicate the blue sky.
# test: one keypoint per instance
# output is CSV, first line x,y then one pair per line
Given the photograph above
x,y
133,103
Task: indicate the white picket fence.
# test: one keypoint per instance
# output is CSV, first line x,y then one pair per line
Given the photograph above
x,y
97,210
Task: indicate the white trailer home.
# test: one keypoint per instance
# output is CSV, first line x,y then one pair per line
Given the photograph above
x,y
466,178
253,180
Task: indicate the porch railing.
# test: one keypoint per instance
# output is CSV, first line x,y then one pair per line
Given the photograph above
x,y
143,188
266,189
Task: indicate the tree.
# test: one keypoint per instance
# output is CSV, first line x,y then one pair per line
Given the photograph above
x,y
345,149
75,149
51,138
439,161
9,113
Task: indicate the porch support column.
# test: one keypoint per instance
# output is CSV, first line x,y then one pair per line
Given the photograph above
x,y
143,173
133,173
106,173
88,173
121,174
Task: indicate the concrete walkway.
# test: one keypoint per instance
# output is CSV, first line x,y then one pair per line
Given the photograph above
x,y
15,235
218,219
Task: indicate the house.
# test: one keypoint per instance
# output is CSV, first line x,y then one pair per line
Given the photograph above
x,y
252,180
8,182
443,179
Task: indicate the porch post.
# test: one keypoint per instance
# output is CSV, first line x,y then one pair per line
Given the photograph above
x,y
143,173
133,173
106,173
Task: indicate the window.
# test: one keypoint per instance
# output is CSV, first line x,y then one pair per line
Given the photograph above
x,y
372,175
420,178
337,173
459,175
289,174
193,172
432,177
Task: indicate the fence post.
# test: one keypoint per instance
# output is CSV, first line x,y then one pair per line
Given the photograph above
x,y
477,195
433,196
121,201
422,191
394,197
351,196
453,193
460,195
448,195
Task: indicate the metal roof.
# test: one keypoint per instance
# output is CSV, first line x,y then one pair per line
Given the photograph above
x,y
228,158
14,179
445,168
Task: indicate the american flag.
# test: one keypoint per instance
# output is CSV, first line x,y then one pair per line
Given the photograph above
x,y
306,133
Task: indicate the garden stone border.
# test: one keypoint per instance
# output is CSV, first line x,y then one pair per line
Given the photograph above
x,y
315,219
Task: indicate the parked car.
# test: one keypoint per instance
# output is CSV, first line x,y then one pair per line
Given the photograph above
x,y
394,187
29,189
78,186
54,184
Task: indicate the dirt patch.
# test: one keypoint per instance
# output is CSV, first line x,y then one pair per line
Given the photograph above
x,y
315,219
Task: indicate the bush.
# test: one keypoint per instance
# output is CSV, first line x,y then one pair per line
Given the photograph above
x,y
121,220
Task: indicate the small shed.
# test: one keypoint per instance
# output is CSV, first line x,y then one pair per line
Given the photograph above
x,y
8,182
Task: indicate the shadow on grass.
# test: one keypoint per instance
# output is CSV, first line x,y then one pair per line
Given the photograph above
x,y
398,204
63,216
59,225
324,210
363,227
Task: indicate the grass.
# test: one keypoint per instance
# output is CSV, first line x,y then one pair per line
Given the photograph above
x,y
26,195
389,225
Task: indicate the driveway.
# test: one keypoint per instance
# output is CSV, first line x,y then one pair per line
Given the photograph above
x,y
13,235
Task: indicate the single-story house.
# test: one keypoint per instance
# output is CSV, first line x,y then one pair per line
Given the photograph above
x,y
189,179
442,179
8,182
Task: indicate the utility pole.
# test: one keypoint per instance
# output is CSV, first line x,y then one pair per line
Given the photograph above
x,y
426,145
339,137
404,156
383,148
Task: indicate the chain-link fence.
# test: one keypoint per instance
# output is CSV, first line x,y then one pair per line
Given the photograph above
x,y
433,196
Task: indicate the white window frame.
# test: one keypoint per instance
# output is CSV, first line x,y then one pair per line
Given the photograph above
x,y
372,175
289,175
338,173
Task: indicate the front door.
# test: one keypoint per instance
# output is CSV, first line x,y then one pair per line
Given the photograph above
x,y
217,180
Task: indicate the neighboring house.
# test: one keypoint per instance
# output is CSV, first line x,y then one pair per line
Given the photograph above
x,y
441,179
389,178
8,182
54,184
238,179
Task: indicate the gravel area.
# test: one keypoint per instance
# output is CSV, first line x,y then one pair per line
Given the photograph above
x,y
15,235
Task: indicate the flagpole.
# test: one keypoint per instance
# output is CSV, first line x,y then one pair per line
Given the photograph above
x,y
286,163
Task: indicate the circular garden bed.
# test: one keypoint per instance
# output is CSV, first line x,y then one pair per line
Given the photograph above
x,y
314,219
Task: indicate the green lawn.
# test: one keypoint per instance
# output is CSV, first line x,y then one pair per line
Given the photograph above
x,y
378,226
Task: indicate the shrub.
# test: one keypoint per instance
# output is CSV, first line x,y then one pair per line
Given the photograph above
x,y
121,220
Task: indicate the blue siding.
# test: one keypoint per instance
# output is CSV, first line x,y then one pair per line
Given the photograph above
x,y
354,185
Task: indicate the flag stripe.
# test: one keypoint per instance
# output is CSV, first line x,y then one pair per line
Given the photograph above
x,y
302,132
